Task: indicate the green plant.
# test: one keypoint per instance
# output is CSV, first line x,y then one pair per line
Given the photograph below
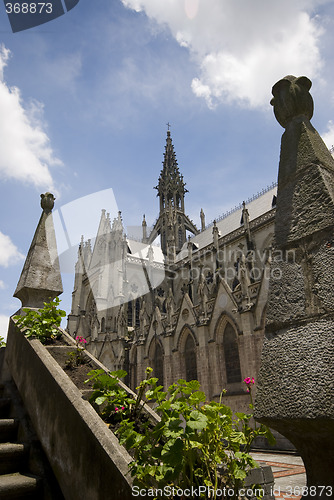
x,y
76,358
195,444
42,324
112,399
117,404
2,342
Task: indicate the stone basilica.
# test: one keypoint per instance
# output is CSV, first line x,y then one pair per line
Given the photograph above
x,y
192,307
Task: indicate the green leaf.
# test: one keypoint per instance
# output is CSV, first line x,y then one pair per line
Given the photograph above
x,y
194,385
270,437
197,420
100,400
197,397
172,453
240,474
118,374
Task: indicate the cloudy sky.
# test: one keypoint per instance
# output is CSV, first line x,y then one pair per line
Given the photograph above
x,y
85,99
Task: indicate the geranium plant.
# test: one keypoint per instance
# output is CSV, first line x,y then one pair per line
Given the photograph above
x,y
42,324
114,402
77,358
196,443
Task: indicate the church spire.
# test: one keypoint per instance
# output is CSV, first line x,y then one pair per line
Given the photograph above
x,y
171,190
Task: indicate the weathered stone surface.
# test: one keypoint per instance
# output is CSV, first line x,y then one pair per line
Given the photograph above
x,y
286,294
303,286
295,385
40,279
305,205
296,380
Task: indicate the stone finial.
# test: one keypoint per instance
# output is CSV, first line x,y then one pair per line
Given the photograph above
x,y
215,233
150,254
144,229
202,216
47,202
190,248
292,99
40,280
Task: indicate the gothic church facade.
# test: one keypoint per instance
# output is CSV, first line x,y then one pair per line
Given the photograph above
x,y
192,307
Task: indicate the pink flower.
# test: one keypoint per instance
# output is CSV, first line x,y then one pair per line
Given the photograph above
x,y
81,339
116,409
122,408
249,381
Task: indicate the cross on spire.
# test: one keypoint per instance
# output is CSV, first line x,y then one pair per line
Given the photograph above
x,y
168,125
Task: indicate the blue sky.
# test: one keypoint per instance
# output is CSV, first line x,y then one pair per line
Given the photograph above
x,y
85,100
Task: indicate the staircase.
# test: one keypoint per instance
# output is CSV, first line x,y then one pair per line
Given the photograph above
x,y
24,470
15,480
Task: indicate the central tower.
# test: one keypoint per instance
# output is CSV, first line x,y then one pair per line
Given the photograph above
x,y
172,222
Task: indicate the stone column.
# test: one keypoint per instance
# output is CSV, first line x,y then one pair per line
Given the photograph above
x,y
40,280
295,393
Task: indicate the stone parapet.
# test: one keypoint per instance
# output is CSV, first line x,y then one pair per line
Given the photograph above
x,y
295,385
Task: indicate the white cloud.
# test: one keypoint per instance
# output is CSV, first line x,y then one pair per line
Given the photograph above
x,y
3,325
328,136
242,48
26,154
9,253
2,285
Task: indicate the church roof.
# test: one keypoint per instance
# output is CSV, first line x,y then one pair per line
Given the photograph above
x,y
256,207
140,250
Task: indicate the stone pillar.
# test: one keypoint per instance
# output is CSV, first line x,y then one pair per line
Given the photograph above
x,y
40,280
295,393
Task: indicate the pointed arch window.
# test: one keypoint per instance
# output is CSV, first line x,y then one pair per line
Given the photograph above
x,y
190,358
180,237
130,320
103,325
137,322
159,364
133,370
231,355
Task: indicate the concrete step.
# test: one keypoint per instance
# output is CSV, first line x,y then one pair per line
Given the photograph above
x,y
19,486
4,407
12,457
8,429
